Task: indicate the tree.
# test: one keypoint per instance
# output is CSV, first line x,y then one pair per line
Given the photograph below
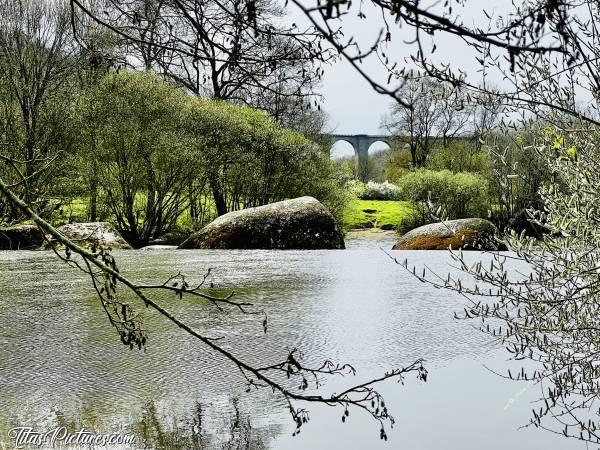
x,y
423,119
131,125
255,161
455,114
35,79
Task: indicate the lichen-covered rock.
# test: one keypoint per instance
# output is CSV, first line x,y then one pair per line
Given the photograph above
x,y
93,233
20,237
468,234
301,223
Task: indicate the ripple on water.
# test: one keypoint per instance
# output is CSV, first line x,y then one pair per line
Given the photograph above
x,y
353,306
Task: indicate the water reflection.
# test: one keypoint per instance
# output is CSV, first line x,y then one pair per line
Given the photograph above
x,y
58,353
152,429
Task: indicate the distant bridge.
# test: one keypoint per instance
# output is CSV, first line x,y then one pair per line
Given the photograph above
x,y
361,143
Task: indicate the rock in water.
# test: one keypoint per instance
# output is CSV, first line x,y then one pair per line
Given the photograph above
x,y
20,237
469,234
301,223
87,234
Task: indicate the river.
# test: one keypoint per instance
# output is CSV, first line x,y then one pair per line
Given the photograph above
x,y
62,363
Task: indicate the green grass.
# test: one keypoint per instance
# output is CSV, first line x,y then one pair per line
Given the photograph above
x,y
77,211
384,214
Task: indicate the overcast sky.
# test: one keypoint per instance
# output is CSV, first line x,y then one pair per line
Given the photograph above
x,y
353,106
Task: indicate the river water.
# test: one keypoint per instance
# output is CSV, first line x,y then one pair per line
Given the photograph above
x,y
62,363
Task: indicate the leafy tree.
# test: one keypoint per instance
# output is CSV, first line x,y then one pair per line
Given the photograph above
x,y
251,161
131,125
36,74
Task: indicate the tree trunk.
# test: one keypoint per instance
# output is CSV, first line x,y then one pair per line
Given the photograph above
x,y
218,196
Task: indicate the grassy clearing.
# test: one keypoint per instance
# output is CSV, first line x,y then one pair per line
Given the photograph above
x,y
383,214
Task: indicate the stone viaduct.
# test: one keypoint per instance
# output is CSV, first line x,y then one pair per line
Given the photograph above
x,y
360,143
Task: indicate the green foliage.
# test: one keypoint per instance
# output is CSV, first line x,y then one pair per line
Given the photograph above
x,y
250,161
134,153
459,195
459,156
152,158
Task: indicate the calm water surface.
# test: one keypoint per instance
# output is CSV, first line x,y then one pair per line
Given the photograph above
x,y
60,361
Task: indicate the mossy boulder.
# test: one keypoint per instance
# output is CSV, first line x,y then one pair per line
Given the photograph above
x,y
93,233
20,237
468,234
301,223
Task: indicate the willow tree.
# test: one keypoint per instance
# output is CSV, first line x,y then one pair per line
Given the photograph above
x,y
131,127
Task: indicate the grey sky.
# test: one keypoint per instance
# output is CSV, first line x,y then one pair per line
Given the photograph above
x,y
353,106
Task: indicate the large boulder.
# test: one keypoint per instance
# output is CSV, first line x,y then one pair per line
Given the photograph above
x,y
90,234
300,223
469,234
20,237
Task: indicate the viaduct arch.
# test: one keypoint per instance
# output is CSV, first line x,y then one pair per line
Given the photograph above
x,y
360,143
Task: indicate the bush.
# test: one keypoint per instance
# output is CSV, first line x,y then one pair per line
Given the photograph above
x,y
411,221
356,188
248,160
133,155
457,195
460,157
380,191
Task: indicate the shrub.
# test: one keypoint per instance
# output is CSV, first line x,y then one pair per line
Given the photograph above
x,y
248,160
380,191
460,157
355,188
457,195
411,221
